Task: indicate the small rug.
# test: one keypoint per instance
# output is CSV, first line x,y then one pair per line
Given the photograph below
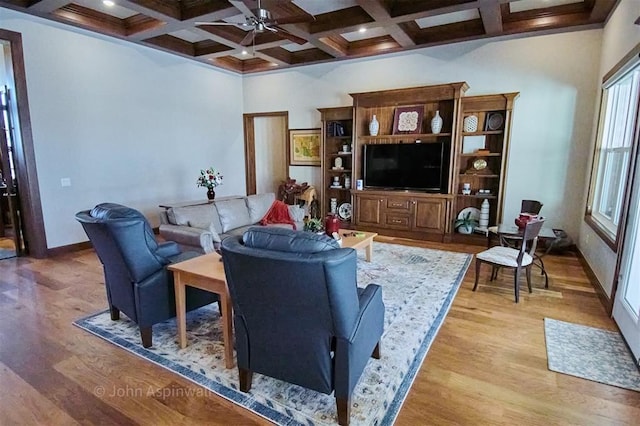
x,y
6,254
590,353
418,287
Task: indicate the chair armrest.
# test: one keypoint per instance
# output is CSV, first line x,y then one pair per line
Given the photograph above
x,y
168,249
371,308
352,355
189,236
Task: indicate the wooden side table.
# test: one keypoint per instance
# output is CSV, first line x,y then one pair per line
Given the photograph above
x,y
355,242
206,273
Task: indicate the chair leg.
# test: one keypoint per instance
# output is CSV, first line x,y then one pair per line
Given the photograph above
x,y
376,351
515,284
529,278
145,334
344,410
478,262
246,376
115,313
494,272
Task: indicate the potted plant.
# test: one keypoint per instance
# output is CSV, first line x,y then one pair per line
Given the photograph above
x,y
466,224
210,178
313,225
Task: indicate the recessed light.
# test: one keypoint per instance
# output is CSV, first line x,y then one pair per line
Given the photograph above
x,y
362,30
108,3
244,52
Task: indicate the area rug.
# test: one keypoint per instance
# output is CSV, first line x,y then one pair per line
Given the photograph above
x,y
590,353
418,288
6,254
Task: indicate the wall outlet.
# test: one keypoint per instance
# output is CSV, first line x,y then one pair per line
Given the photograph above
x,y
64,182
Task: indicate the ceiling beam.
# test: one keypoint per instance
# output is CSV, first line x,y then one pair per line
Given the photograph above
x,y
377,10
491,14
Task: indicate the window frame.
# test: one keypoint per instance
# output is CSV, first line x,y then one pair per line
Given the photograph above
x,y
630,62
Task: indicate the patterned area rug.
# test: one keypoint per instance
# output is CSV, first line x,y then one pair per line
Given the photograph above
x,y
6,254
418,288
590,353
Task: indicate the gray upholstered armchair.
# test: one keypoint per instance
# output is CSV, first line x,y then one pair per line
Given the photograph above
x,y
135,273
298,313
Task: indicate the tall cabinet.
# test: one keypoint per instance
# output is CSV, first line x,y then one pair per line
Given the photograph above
x,y
481,155
337,161
412,214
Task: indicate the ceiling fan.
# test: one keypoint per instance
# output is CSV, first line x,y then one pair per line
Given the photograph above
x,y
259,20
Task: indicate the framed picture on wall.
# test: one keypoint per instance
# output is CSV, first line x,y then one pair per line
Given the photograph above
x,y
408,120
304,147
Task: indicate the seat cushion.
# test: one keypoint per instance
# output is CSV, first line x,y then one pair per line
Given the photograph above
x,y
233,214
504,256
259,204
200,216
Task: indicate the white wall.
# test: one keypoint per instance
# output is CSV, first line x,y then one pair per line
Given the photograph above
x,y
555,75
125,123
619,38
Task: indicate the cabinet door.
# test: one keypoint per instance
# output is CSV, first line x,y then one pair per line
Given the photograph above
x,y
368,210
429,215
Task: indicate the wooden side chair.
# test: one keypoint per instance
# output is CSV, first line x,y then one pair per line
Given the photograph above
x,y
507,257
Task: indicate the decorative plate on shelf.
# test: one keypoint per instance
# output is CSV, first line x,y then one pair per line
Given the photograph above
x,y
474,213
495,120
344,211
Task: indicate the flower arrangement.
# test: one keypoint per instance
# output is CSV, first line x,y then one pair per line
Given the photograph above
x,y
209,178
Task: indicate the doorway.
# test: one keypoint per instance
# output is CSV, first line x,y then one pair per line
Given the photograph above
x,y
266,142
626,304
24,217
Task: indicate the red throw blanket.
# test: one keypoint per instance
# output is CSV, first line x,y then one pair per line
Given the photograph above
x,y
278,213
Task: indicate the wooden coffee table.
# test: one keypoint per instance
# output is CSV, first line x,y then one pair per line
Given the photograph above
x,y
205,272
360,240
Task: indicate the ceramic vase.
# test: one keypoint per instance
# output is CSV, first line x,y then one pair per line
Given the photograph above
x,y
484,214
374,126
436,123
211,194
470,124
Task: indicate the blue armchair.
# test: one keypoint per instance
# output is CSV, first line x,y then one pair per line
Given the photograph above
x,y
298,313
135,273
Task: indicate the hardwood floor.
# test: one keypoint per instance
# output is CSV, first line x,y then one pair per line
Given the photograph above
x,y
487,365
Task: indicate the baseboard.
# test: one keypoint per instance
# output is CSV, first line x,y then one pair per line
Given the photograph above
x,y
595,282
58,251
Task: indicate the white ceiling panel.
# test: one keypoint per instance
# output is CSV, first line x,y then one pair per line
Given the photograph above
x,y
448,18
522,5
318,7
115,10
370,33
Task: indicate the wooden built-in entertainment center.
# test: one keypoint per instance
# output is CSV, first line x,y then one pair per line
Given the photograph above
x,y
412,213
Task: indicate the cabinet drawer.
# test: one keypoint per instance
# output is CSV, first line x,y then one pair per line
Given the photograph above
x,y
398,204
397,221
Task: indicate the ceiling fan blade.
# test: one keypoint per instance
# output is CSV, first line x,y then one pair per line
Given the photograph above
x,y
240,5
294,38
235,24
246,41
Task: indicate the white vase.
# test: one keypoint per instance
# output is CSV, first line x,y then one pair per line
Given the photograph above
x,y
484,213
374,126
436,123
470,124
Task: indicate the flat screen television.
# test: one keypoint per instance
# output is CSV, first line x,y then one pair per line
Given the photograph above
x,y
416,166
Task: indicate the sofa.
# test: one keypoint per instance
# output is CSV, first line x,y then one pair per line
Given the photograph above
x,y
202,227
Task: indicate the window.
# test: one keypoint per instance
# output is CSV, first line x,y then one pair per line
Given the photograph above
x,y
617,132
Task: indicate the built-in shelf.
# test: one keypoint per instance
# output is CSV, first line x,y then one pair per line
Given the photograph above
x,y
339,137
491,154
488,132
339,171
340,154
478,175
405,136
488,196
339,189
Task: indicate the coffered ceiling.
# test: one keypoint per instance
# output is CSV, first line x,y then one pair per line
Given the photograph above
x,y
300,32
